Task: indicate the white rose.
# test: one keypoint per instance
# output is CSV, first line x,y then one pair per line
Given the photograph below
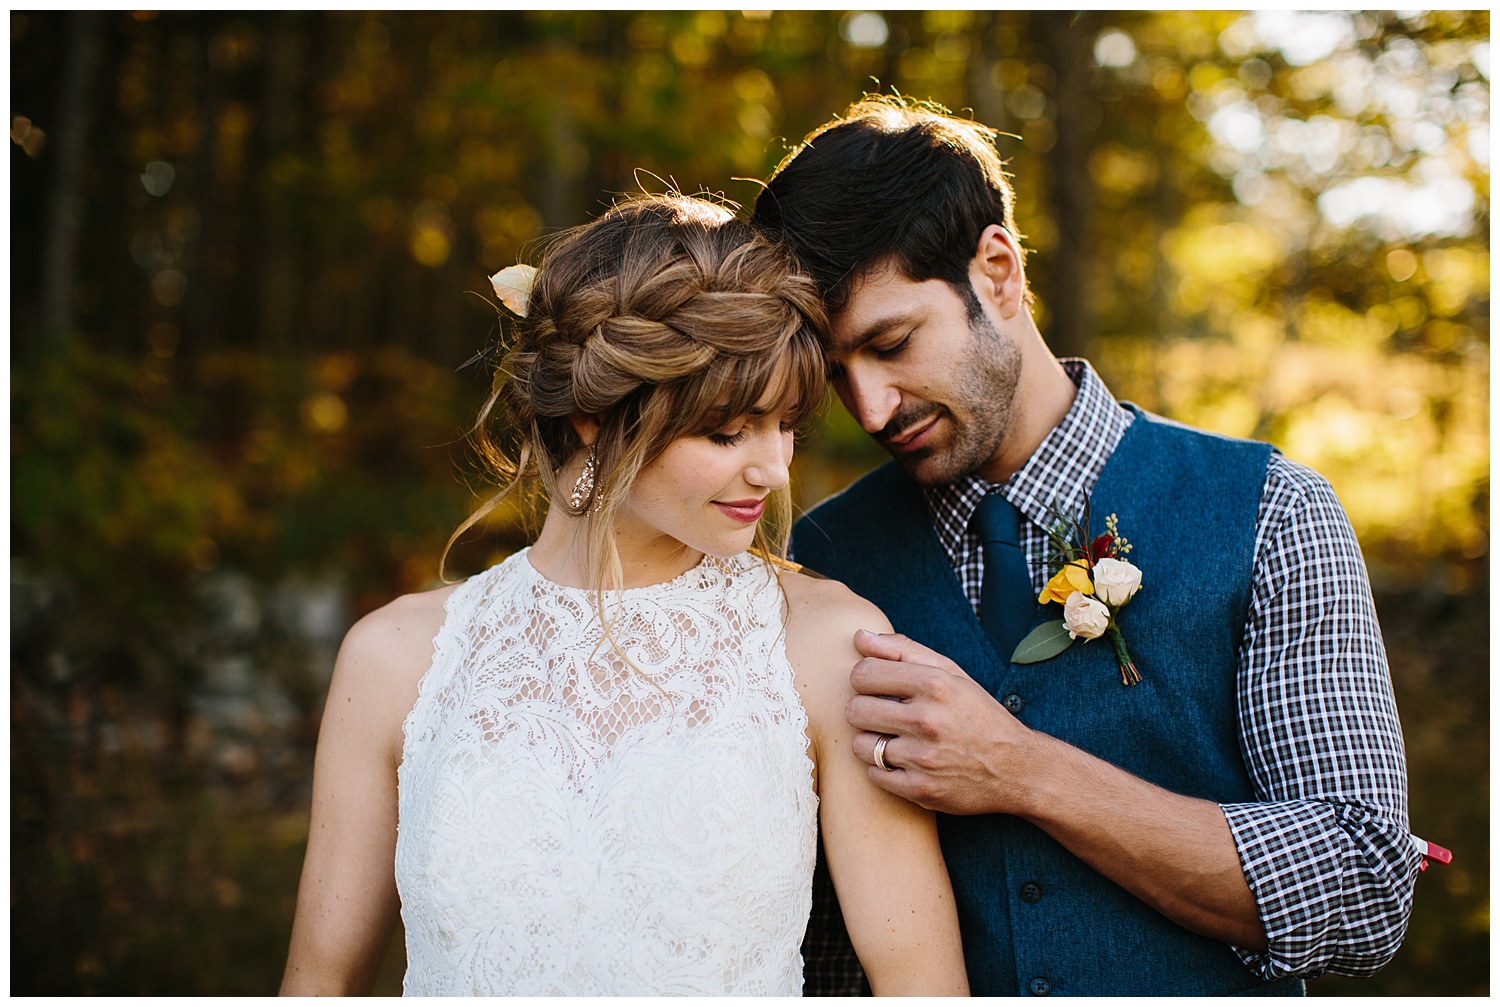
x,y
1085,617
1115,581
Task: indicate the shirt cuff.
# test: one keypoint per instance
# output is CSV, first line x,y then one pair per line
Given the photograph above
x,y
1332,885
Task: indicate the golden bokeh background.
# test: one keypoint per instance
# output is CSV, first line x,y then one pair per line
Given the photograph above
x,y
248,265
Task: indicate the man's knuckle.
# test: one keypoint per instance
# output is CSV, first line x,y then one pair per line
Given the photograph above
x,y
924,724
922,758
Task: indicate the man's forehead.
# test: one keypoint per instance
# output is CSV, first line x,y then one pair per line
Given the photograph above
x,y
877,275
877,298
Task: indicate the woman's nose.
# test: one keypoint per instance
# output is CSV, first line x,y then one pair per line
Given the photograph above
x,y
772,466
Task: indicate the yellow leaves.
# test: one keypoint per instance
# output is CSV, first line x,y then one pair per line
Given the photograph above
x,y
325,412
1073,577
28,137
753,85
1326,321
691,49
1203,76
1221,253
939,21
1455,276
1118,169
1401,264
431,237
430,247
1403,438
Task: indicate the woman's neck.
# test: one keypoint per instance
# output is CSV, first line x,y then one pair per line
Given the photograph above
x,y
565,554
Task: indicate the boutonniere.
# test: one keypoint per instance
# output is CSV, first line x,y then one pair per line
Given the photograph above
x,y
1092,581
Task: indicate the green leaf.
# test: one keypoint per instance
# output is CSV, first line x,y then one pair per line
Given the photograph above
x,y
1047,640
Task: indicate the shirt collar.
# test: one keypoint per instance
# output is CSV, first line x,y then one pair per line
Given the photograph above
x,y
1058,475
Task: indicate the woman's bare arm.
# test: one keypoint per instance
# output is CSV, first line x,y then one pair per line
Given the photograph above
x,y
346,902
882,851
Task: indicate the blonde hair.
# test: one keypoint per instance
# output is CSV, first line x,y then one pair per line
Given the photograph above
x,y
663,318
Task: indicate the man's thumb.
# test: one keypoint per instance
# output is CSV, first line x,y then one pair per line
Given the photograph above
x,y
886,646
896,647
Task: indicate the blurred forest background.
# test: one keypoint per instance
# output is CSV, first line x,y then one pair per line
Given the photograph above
x,y
245,250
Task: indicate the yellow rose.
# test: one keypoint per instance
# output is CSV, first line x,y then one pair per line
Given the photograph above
x,y
1073,577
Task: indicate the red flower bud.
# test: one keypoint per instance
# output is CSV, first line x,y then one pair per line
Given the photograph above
x,y
1100,548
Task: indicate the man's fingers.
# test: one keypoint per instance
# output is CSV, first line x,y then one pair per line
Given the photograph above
x,y
873,676
881,645
895,647
876,715
864,747
907,786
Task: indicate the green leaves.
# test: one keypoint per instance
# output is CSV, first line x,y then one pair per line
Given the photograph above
x,y
1046,641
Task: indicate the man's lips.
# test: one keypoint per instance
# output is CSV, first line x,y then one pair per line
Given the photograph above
x,y
913,437
744,511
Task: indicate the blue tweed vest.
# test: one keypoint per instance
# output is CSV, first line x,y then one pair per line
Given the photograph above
x,y
1035,918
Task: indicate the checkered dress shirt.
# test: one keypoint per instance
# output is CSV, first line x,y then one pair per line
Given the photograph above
x,y
1326,850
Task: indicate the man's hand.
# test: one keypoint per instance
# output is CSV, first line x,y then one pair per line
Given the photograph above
x,y
952,748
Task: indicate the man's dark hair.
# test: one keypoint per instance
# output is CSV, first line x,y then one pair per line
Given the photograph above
x,y
890,179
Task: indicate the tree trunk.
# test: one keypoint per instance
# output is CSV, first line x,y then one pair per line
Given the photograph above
x,y
1071,188
285,84
65,203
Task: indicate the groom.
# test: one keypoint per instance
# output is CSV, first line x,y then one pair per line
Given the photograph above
x,y
1234,823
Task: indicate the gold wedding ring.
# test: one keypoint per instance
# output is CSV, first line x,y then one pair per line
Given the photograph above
x,y
880,744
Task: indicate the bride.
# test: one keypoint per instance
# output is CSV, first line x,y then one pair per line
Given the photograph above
x,y
599,767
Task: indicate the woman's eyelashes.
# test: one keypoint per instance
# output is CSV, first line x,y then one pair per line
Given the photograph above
x,y
733,434
728,440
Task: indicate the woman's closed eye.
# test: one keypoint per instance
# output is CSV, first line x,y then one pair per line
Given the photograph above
x,y
732,434
728,439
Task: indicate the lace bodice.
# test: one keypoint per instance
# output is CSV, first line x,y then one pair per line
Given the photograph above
x,y
570,825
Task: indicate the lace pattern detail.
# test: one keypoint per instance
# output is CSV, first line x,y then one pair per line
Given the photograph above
x,y
572,825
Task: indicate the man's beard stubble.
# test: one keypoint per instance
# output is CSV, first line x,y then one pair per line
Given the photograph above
x,y
985,391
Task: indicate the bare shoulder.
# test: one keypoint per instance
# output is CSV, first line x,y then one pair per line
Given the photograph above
x,y
825,605
382,660
822,617
394,637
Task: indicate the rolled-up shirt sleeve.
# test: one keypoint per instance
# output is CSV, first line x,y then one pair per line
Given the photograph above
x,y
1327,849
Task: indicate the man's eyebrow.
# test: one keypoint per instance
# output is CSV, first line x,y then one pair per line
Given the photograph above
x,y
873,330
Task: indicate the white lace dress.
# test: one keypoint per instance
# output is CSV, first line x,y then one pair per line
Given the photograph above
x,y
571,826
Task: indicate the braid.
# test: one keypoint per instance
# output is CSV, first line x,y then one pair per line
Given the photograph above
x,y
652,320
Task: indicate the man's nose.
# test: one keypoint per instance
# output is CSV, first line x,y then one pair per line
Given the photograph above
x,y
869,399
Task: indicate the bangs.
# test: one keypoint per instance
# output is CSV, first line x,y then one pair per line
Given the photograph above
x,y
792,380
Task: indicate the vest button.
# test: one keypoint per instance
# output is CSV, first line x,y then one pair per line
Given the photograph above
x,y
1040,987
1013,703
1031,892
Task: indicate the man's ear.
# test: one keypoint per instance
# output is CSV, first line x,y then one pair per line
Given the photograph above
x,y
586,427
998,271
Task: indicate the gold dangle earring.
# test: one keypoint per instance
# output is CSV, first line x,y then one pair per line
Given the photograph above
x,y
584,487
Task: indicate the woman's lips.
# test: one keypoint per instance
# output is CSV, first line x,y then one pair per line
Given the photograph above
x,y
743,511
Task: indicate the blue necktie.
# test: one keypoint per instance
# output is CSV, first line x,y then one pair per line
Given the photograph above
x,y
1006,604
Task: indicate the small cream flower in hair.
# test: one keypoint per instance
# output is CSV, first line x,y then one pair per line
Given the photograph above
x,y
513,287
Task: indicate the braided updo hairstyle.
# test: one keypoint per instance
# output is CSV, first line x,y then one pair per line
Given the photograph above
x,y
666,317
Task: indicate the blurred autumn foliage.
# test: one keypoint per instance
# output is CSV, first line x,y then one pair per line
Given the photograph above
x,y
242,251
